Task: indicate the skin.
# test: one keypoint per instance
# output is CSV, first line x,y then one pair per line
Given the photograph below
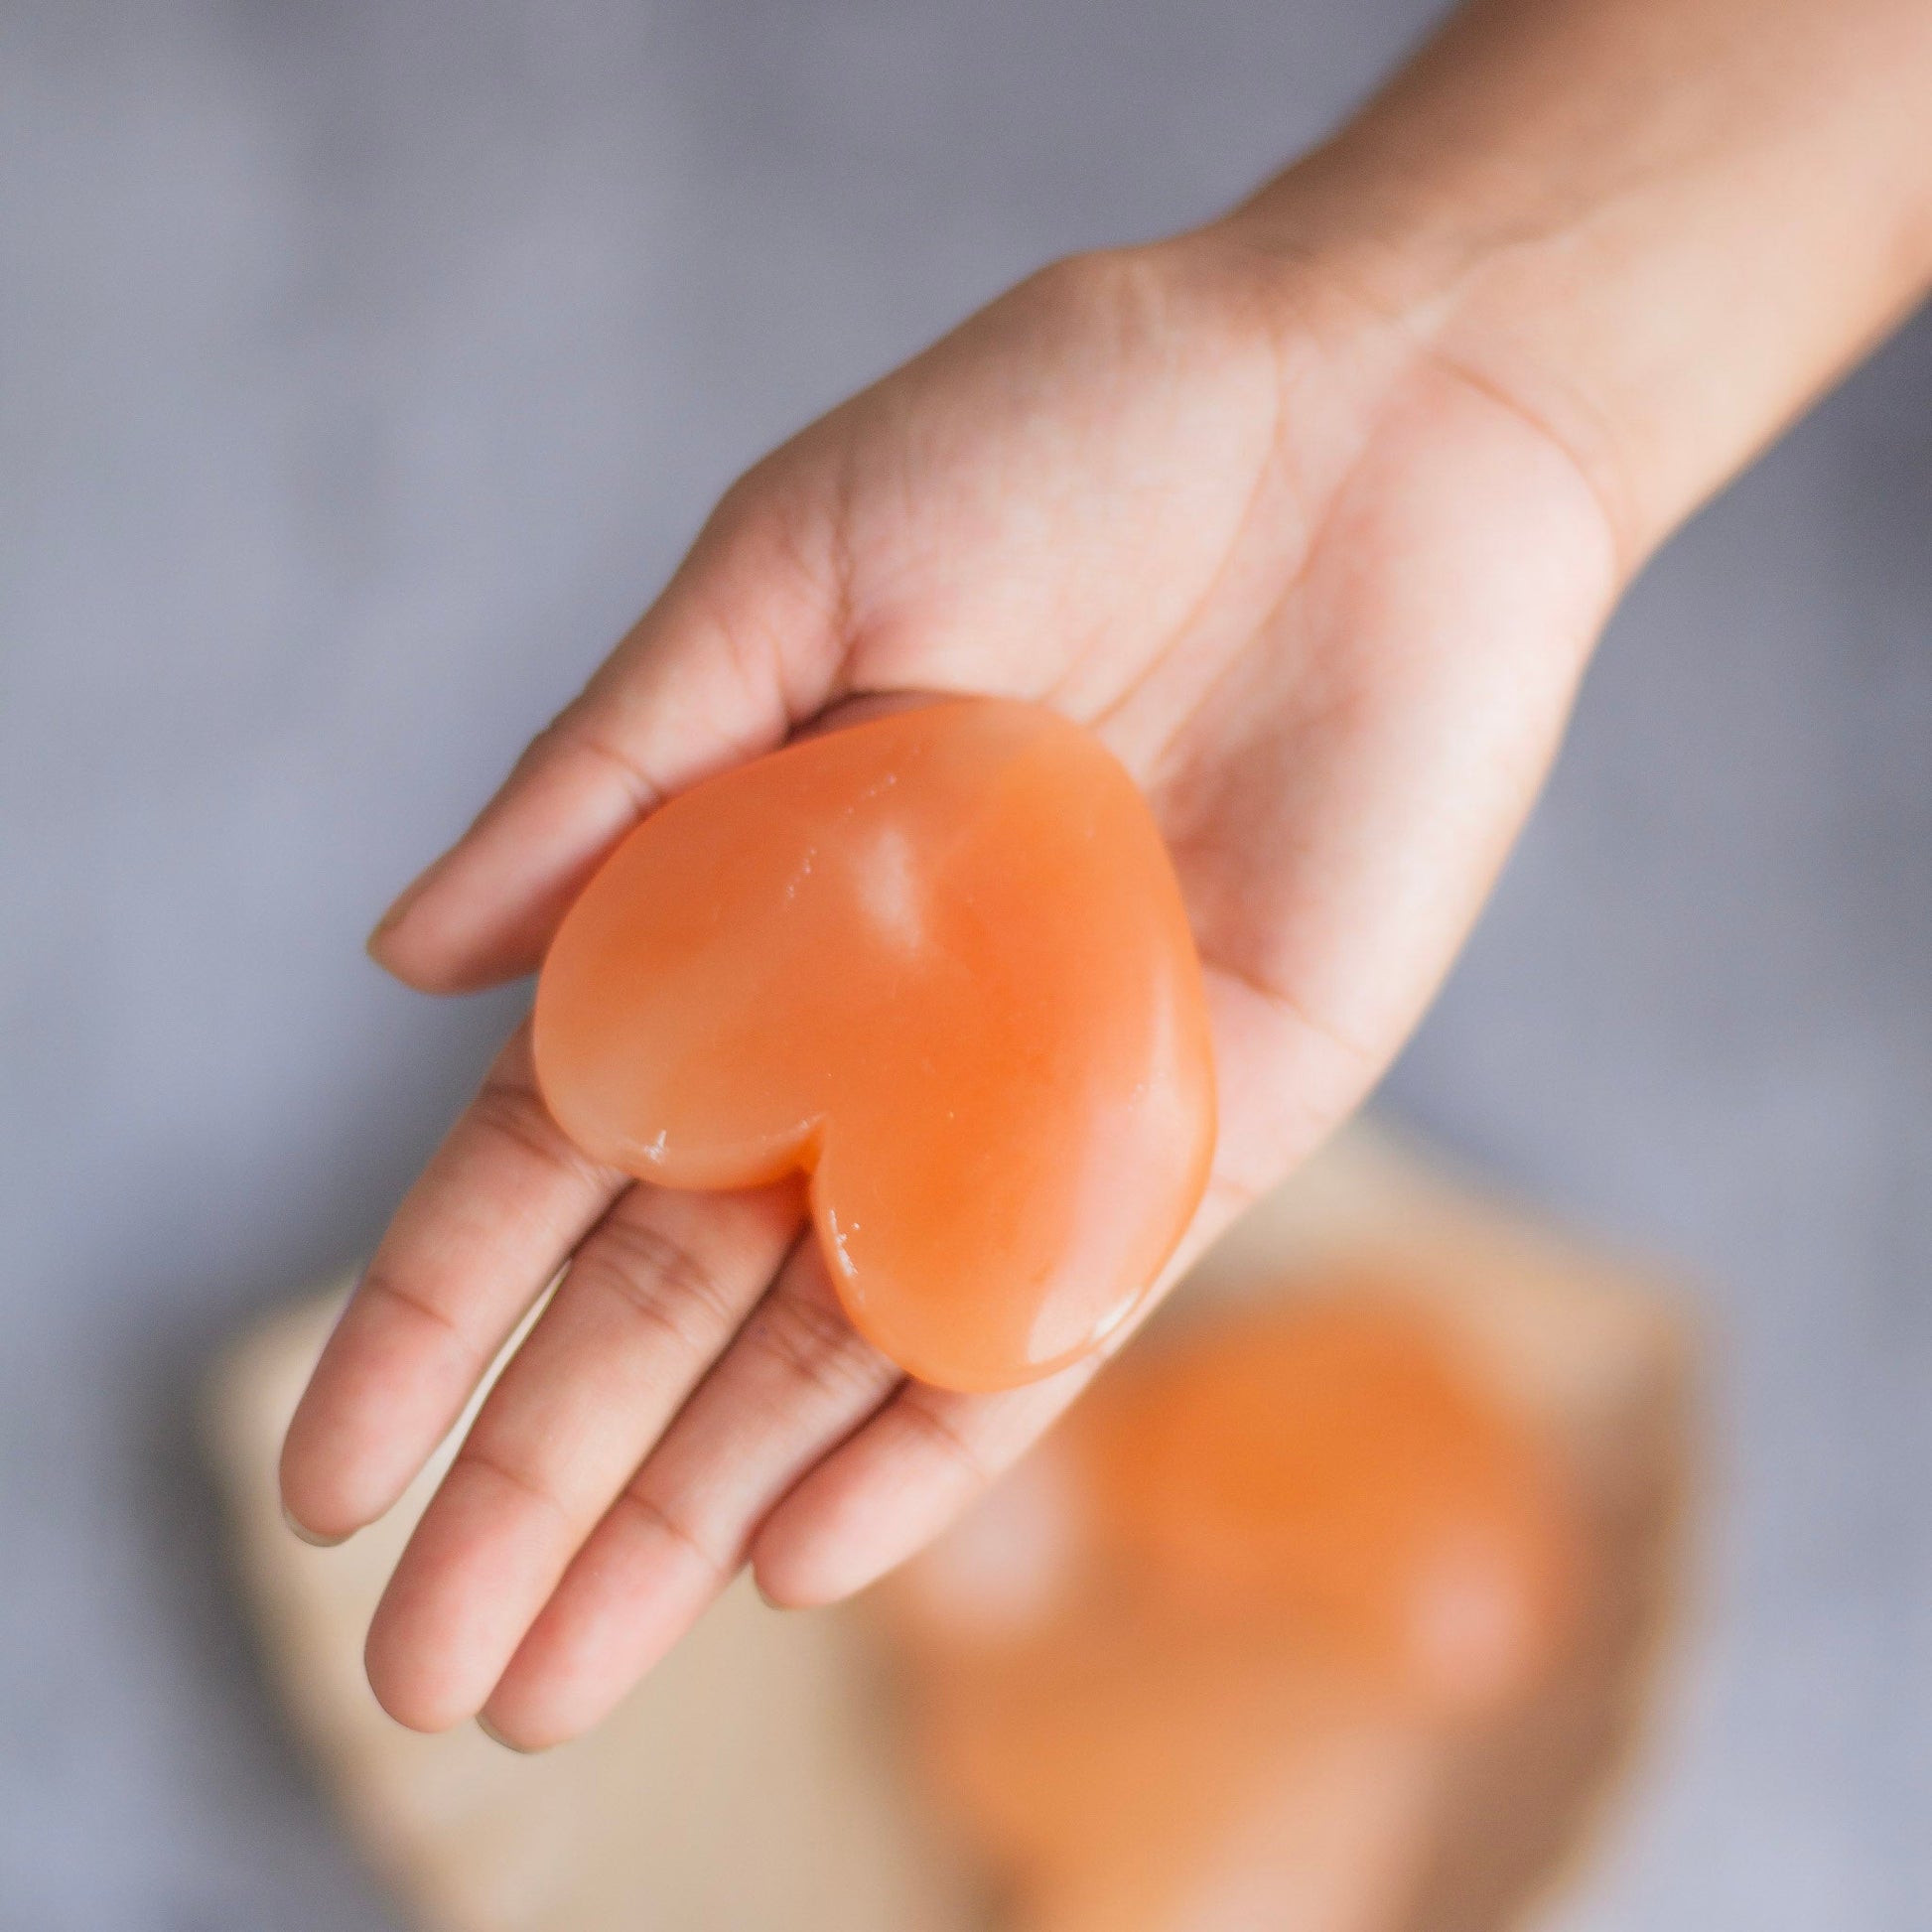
x,y
1314,514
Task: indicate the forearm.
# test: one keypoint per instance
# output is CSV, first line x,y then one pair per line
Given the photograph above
x,y
1658,226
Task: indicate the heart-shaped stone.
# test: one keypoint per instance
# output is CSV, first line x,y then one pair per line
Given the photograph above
x,y
938,960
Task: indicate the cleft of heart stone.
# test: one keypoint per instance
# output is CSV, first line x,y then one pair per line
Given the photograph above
x,y
939,962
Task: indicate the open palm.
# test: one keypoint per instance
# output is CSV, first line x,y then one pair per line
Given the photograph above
x,y
1326,595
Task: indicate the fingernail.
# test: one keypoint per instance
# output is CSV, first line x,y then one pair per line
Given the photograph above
x,y
309,1536
495,1736
399,906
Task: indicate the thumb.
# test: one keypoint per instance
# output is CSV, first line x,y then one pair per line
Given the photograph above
x,y
744,642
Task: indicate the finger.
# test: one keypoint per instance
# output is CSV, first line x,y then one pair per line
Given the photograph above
x,y
480,1236
743,643
796,1382
929,1453
653,1296
898,1483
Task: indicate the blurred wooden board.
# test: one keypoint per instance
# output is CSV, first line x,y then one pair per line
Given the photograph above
x,y
757,1779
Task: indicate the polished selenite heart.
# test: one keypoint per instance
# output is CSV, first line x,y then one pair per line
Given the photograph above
x,y
939,961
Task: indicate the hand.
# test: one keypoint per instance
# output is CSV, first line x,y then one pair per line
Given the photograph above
x,y
1328,599
1313,516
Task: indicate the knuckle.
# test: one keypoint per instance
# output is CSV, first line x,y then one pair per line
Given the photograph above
x,y
505,1474
742,502
377,1288
1125,282
939,1434
813,1342
571,734
509,1108
670,1523
664,1282
750,499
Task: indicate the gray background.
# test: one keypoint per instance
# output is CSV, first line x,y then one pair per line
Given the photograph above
x,y
363,367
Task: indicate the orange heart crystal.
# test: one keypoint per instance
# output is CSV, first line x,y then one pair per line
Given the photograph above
x,y
938,961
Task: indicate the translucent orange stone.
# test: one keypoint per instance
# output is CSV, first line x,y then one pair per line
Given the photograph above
x,y
1330,1468
939,961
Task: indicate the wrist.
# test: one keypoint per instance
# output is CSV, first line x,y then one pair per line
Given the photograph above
x,y
1655,227
1491,301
